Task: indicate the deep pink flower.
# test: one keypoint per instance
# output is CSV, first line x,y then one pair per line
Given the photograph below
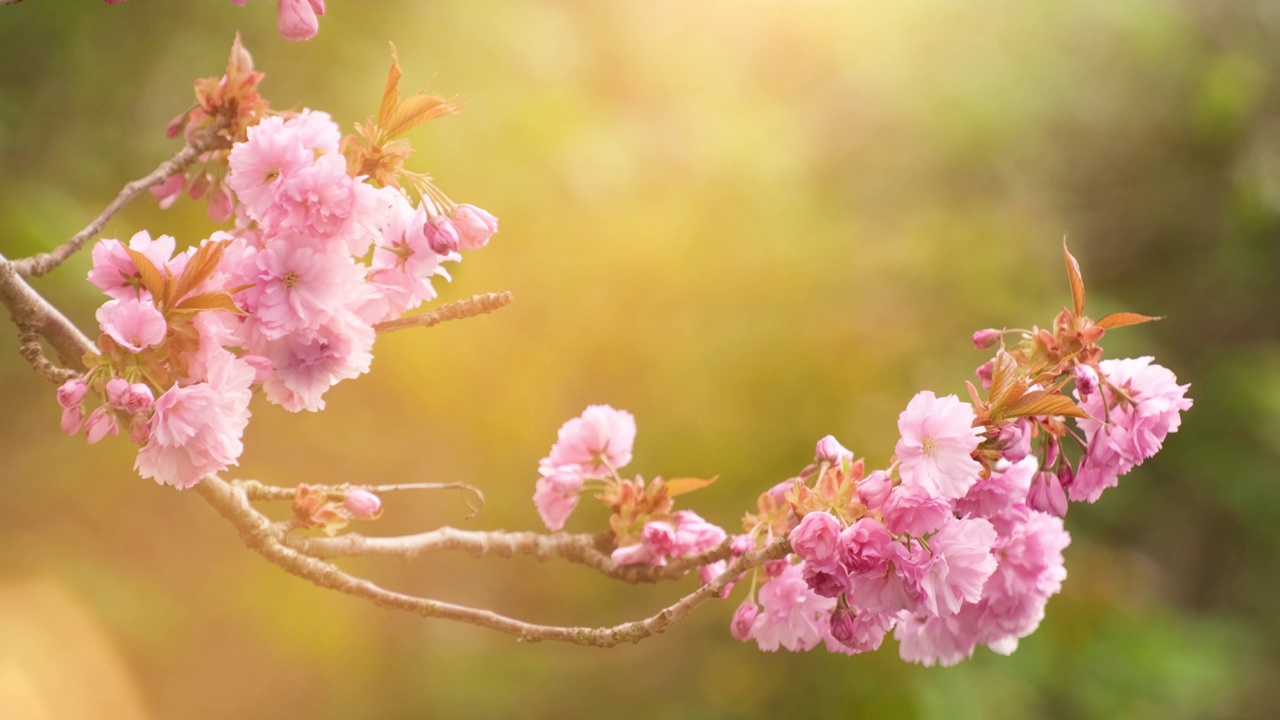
x,y
134,324
864,546
791,616
744,619
71,393
937,439
816,540
599,439
859,633
960,563
892,585
441,234
829,582
988,338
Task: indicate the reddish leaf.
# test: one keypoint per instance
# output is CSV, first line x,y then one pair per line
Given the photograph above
x,y
203,263
1004,372
217,300
1073,276
680,486
152,280
1124,319
1043,402
397,115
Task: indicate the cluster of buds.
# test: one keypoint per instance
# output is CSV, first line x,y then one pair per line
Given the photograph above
x,y
286,302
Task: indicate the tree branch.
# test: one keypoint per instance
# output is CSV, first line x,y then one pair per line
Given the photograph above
x,y
33,314
38,265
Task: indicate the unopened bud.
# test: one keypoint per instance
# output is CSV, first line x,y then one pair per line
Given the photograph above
x,y
1046,494
441,235
988,338
842,625
831,451
1086,381
116,388
101,423
874,489
296,19
72,418
362,504
743,618
474,226
984,374
140,429
72,393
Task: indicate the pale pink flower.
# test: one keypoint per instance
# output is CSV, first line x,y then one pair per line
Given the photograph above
x,y
816,540
1007,485
114,271
791,616
960,563
912,510
403,265
930,640
874,489
72,417
323,202
1029,570
556,495
101,423
270,153
134,324
693,534
938,438
316,131
306,364
297,287
196,429
474,226
599,439
1123,430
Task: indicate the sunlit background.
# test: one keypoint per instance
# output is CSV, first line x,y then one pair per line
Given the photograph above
x,y
751,223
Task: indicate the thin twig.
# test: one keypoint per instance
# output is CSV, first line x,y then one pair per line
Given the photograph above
x,y
471,307
38,265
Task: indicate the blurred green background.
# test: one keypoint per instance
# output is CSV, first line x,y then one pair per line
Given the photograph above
x,y
750,223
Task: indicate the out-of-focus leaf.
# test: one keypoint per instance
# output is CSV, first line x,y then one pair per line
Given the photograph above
x,y
680,486
1123,319
1073,276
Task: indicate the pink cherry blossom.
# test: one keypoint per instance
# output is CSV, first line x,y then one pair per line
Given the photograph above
x,y
937,439
874,489
1046,494
914,511
791,615
474,226
816,540
441,234
859,633
1007,485
556,495
362,504
271,152
930,640
1125,429
1029,570
296,19
101,423
315,130
960,563
831,451
71,393
322,201
744,619
599,439
114,271
297,287
134,324
72,417
306,364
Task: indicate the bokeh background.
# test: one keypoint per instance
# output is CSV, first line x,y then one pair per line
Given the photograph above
x,y
751,223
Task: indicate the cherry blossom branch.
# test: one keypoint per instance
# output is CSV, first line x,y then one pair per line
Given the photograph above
x,y
459,310
35,316
303,557
38,265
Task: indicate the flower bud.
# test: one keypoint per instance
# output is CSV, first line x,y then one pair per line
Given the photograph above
x,y
988,338
72,393
659,537
474,226
830,450
743,618
72,417
362,504
441,235
1051,450
816,540
874,489
137,398
296,19
1046,494
984,374
842,625
140,429
116,388
1086,381
101,423
741,545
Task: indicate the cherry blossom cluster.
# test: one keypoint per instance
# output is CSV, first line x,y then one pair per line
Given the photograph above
x,y
296,19
588,453
285,303
958,542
